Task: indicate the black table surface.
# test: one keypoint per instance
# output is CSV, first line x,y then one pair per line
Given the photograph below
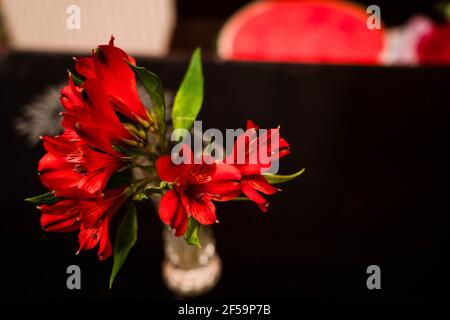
x,y
374,142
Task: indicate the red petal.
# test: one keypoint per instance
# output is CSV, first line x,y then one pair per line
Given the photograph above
x,y
202,209
200,173
104,246
104,113
57,174
250,169
85,67
75,193
88,237
62,216
71,97
168,206
173,213
96,216
117,78
260,183
94,211
93,118
225,184
72,164
181,220
168,171
222,190
119,81
283,143
251,125
253,195
226,172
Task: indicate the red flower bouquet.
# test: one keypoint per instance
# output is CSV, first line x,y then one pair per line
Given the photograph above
x,y
108,133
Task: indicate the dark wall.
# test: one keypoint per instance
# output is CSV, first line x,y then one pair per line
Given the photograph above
x,y
375,145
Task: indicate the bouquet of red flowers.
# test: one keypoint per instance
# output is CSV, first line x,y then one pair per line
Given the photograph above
x,y
90,168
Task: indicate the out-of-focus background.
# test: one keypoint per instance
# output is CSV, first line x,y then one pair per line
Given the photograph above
x,y
311,31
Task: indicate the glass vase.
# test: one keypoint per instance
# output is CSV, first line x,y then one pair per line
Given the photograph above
x,y
187,270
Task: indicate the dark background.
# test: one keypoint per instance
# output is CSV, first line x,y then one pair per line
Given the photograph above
x,y
199,21
375,145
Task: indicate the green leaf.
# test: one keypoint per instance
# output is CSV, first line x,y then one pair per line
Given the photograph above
x,y
125,239
240,199
133,152
156,189
445,9
189,98
76,79
46,198
152,83
276,179
118,179
191,235
140,196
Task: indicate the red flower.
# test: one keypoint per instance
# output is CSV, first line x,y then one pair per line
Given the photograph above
x,y
109,63
89,214
96,217
63,216
89,113
79,163
70,163
253,182
194,188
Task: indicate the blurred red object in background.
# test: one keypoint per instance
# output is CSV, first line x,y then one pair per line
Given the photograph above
x,y
434,48
301,31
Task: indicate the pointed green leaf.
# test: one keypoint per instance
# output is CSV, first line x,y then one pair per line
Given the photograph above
x,y
152,83
192,232
46,198
125,239
189,98
78,81
276,179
